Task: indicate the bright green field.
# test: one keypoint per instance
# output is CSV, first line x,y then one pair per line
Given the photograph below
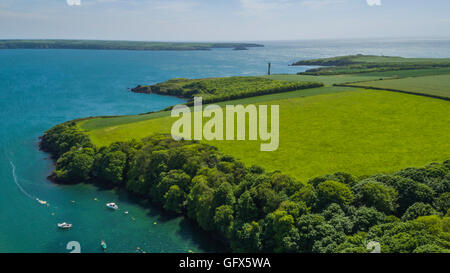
x,y
99,123
438,85
326,80
408,73
360,132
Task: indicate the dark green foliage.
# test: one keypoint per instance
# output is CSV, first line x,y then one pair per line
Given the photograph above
x,y
199,205
246,207
411,236
353,244
374,194
337,218
111,166
75,165
174,199
63,137
364,218
315,232
221,89
410,192
224,218
431,248
442,203
258,211
247,238
418,209
329,192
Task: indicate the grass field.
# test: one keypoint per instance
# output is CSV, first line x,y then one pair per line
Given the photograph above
x,y
360,131
438,85
99,123
408,73
326,80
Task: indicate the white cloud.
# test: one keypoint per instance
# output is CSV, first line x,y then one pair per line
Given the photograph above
x,y
374,2
73,2
320,3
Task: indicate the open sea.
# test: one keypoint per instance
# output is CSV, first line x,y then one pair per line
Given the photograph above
x,y
41,88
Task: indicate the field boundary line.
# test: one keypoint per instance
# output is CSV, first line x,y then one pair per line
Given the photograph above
x,y
394,90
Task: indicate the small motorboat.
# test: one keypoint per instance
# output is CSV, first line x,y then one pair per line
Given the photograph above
x,y
103,245
64,225
112,206
42,202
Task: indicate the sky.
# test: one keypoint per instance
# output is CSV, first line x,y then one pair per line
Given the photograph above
x,y
223,20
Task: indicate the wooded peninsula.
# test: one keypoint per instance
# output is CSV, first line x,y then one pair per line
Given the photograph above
x,y
116,45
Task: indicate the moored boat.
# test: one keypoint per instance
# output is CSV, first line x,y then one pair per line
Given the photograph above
x,y
112,206
64,225
103,245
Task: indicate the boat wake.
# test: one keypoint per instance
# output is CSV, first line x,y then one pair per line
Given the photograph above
x,y
16,181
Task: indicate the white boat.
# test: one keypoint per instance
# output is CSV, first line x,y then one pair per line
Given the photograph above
x,y
42,202
64,225
112,206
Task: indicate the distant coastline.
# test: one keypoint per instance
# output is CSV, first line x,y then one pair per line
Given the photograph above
x,y
117,45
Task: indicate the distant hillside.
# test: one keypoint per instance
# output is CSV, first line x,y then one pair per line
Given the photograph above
x,y
116,45
354,64
222,89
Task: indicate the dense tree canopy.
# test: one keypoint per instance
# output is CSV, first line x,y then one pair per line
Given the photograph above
x,y
257,211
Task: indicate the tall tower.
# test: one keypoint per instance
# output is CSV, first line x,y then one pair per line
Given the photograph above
x,y
268,70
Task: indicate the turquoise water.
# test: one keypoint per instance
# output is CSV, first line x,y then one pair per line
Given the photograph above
x,y
41,88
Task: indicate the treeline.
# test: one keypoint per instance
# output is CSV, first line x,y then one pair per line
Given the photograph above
x,y
222,89
258,211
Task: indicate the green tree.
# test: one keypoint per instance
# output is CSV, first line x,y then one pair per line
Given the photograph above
x,y
278,226
174,199
75,165
418,209
337,218
442,203
375,194
111,166
312,228
329,192
364,218
246,208
431,248
247,238
200,203
168,179
410,192
224,195
224,219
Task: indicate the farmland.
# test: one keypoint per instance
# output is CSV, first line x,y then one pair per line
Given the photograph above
x,y
438,85
327,80
341,148
356,64
360,131
325,129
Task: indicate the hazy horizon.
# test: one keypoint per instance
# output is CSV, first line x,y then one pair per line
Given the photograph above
x,y
424,38
224,20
